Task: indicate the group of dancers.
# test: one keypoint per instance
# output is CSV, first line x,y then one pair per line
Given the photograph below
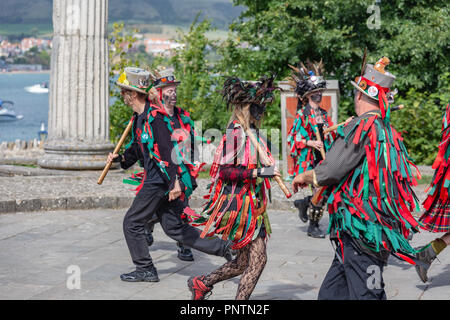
x,y
360,171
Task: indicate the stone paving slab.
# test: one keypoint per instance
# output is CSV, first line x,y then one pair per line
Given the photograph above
x,y
37,248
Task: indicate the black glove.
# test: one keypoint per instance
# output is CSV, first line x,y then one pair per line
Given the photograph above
x,y
266,172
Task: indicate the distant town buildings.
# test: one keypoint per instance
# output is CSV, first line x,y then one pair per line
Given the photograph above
x,y
8,49
159,47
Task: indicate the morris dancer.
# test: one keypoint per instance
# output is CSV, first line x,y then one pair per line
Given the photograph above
x,y
368,183
303,141
436,217
166,86
164,182
237,205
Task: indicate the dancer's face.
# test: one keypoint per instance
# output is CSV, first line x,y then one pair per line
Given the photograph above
x,y
169,95
316,97
257,111
128,97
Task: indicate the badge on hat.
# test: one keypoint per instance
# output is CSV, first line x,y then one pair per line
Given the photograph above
x,y
372,91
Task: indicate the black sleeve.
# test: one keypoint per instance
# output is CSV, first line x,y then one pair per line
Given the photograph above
x,y
163,140
341,159
131,156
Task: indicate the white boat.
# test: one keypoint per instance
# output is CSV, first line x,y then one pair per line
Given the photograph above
x,y
38,88
7,114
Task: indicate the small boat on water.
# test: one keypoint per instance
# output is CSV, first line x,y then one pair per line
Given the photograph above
x,y
38,88
6,113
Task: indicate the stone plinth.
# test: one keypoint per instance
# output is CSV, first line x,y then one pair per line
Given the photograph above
x,y
78,126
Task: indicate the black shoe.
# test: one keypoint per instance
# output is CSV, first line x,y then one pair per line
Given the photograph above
x,y
229,253
150,275
302,206
314,230
184,253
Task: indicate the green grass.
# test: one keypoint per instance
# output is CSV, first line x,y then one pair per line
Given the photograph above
x,y
25,28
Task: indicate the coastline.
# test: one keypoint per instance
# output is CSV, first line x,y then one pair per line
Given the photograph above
x,y
25,72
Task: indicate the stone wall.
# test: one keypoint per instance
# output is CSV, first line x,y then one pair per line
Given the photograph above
x,y
21,152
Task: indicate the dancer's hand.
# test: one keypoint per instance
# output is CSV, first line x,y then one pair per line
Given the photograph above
x,y
315,144
175,192
112,157
299,182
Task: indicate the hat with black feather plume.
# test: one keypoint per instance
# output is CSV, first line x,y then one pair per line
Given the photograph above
x,y
238,92
307,79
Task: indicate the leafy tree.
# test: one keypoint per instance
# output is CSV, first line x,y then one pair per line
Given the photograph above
x,y
119,113
198,92
413,34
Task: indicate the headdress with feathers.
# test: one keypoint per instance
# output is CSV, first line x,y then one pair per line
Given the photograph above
x,y
307,79
238,92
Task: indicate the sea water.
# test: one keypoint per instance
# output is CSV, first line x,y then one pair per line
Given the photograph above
x,y
33,106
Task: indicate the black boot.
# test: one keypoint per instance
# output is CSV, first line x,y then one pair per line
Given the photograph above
x,y
150,275
314,230
315,214
302,206
184,253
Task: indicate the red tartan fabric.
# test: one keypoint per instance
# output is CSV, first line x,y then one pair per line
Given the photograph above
x,y
436,217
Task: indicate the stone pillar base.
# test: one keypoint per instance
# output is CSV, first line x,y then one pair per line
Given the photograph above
x,y
79,156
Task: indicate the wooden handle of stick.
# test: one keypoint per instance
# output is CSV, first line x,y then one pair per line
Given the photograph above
x,y
315,198
268,162
116,151
332,128
322,151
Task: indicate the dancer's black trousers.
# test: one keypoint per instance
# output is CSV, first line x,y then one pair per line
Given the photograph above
x,y
358,276
152,200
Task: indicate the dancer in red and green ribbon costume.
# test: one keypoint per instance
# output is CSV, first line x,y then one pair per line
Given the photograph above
x,y
303,143
166,179
183,133
367,178
436,217
237,200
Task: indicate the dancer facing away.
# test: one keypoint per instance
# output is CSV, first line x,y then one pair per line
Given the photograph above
x,y
237,195
436,217
304,144
165,180
368,182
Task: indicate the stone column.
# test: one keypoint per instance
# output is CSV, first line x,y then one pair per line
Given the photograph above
x,y
78,125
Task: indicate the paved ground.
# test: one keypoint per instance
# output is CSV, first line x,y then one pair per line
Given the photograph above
x,y
37,250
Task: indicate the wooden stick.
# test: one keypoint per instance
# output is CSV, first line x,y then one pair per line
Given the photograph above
x,y
116,151
266,160
332,128
318,138
315,198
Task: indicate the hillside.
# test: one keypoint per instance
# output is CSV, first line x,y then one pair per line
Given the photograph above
x,y
173,12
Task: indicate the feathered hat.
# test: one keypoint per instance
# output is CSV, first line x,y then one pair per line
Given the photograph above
x,y
238,92
307,79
